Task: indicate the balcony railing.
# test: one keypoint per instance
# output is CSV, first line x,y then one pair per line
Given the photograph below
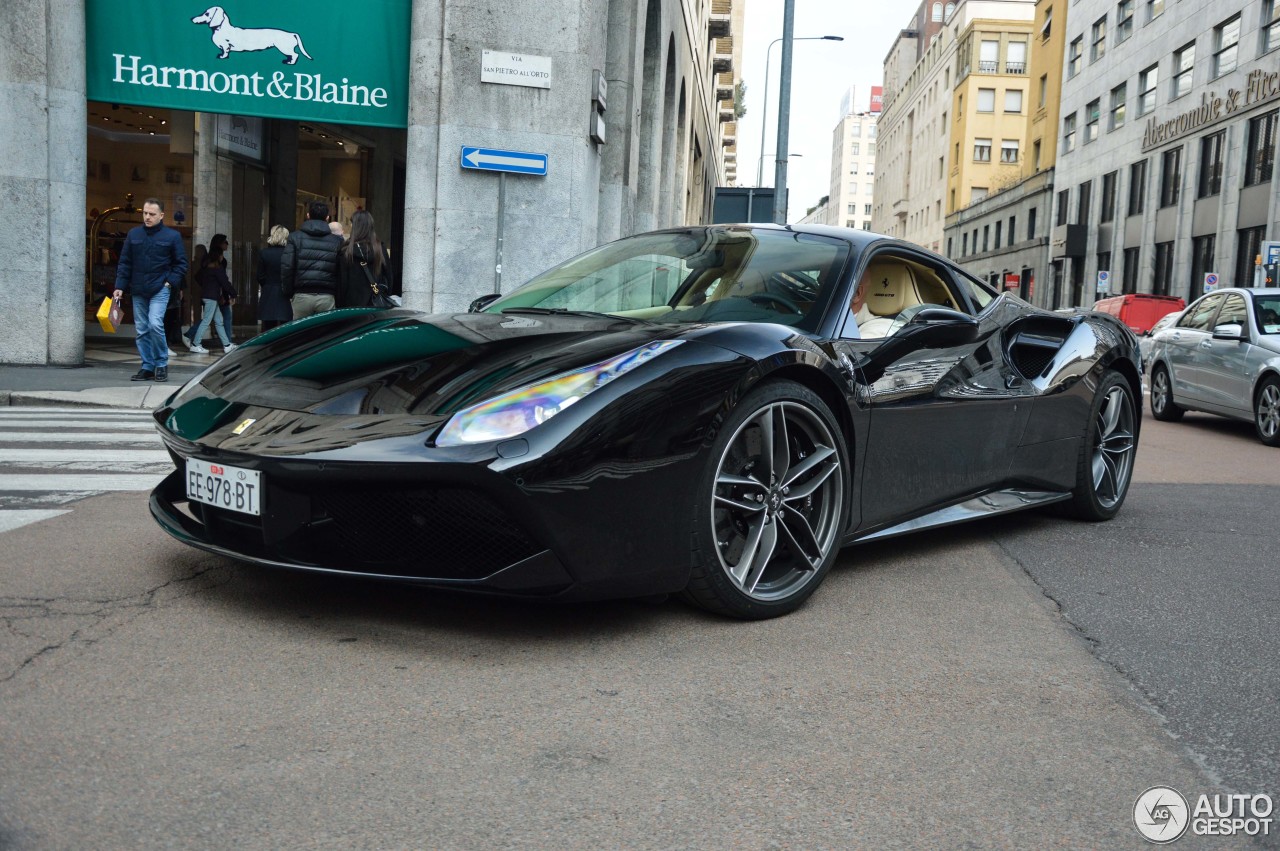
x,y
988,67
1015,67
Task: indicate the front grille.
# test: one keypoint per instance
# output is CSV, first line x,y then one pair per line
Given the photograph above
x,y
447,532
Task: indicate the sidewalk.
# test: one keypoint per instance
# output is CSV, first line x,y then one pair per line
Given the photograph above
x,y
103,379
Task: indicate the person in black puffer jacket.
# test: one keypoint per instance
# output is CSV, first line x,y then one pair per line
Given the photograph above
x,y
309,266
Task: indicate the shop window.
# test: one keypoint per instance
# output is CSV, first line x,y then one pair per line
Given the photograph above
x,y
1137,187
1248,246
1202,249
1108,199
1129,283
1211,164
1170,176
1162,279
1262,149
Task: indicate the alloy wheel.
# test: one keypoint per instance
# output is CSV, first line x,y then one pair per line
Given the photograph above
x,y
777,500
1114,445
1268,415
1159,391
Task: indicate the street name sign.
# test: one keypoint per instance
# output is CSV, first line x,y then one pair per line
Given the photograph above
x,y
511,162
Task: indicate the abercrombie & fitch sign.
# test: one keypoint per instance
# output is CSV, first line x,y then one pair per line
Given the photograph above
x,y
1260,87
344,64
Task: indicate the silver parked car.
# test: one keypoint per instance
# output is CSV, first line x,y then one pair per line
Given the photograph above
x,y
1222,356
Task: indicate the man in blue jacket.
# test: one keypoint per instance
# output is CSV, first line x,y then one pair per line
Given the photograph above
x,y
152,264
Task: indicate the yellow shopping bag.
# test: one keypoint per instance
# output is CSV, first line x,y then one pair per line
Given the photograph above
x,y
110,315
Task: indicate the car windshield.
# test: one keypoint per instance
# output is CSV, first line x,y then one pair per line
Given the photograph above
x,y
1267,309
710,274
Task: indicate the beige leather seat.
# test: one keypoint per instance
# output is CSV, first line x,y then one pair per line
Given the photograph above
x,y
890,289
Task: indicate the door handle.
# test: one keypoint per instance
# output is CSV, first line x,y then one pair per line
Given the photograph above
x,y
1205,344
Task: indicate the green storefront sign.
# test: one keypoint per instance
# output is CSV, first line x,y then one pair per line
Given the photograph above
x,y
314,60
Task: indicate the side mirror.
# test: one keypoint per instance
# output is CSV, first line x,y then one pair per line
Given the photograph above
x,y
930,328
483,302
1230,331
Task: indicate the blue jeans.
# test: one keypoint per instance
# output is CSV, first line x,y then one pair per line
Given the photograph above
x,y
210,312
148,320
224,317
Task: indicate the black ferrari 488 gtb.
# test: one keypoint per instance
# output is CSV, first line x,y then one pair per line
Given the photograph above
x,y
713,410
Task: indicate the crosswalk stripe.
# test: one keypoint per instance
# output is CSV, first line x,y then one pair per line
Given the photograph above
x,y
51,457
101,425
13,518
79,482
76,437
74,413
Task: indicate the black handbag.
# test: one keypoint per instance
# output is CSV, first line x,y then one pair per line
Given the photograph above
x,y
381,292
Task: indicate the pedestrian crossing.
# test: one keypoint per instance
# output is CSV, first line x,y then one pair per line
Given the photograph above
x,y
53,456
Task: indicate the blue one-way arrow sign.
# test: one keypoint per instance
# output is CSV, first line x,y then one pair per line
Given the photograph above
x,y
512,162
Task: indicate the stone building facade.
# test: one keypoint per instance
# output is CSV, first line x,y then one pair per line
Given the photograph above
x,y
1167,146
648,154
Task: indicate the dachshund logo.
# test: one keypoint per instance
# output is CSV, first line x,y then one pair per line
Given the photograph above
x,y
230,38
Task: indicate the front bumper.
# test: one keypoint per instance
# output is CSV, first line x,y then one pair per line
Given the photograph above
x,y
468,542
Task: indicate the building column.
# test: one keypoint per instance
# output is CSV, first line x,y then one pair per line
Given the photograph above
x,y
422,146
43,260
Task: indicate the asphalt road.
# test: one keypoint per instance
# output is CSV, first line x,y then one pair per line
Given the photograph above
x,y
1012,684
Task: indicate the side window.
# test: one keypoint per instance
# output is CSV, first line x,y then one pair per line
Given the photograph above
x,y
1233,312
981,293
1198,315
889,291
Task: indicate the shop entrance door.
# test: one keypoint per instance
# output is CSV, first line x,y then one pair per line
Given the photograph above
x,y
248,235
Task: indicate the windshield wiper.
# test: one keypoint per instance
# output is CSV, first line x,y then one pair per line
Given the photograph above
x,y
564,311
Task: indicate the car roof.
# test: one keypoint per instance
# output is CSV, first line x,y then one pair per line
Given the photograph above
x,y
1274,291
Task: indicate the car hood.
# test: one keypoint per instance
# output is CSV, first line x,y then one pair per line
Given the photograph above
x,y
404,362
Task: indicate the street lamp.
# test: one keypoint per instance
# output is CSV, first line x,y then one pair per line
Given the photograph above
x,y
764,113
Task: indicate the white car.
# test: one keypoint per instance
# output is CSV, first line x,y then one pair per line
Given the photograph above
x,y
1222,356
1147,342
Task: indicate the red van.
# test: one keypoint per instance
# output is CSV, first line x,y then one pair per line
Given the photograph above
x,y
1139,310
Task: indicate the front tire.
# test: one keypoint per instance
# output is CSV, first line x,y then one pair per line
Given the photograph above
x,y
770,508
1162,406
1266,411
1105,467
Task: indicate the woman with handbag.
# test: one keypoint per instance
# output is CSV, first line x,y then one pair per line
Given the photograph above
x,y
364,268
214,288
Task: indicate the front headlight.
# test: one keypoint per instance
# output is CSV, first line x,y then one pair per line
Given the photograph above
x,y
517,411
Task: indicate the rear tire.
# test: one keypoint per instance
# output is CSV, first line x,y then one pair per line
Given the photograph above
x,y
1162,406
769,511
1105,467
1266,411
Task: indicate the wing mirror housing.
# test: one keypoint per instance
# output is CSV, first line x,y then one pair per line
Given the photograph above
x,y
1231,331
483,302
930,328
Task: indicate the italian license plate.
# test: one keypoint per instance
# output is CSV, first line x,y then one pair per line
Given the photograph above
x,y
224,486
